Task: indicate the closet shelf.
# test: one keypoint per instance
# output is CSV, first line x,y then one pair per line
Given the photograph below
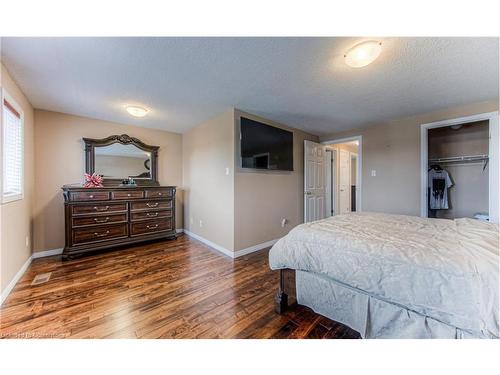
x,y
461,159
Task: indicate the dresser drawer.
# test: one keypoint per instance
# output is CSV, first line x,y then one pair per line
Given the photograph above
x,y
159,193
100,233
151,205
127,194
99,219
78,196
112,216
142,215
147,227
82,209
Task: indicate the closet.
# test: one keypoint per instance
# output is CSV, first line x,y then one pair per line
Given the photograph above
x,y
458,156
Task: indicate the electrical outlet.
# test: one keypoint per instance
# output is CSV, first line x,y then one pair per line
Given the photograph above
x,y
284,222
27,241
374,173
201,223
227,171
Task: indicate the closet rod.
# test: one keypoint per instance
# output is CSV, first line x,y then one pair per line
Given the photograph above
x,y
461,159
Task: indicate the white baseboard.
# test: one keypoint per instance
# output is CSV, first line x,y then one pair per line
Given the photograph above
x,y
229,253
46,253
49,253
20,273
254,248
211,244
14,280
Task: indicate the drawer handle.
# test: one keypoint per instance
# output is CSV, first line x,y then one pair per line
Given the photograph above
x,y
152,226
101,221
152,204
102,209
152,214
159,194
91,196
128,195
102,234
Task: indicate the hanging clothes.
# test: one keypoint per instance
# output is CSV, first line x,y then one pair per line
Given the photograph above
x,y
439,182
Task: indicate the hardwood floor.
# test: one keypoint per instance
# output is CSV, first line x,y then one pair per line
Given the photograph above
x,y
171,289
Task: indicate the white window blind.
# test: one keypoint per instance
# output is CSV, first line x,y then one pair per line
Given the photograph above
x,y
12,153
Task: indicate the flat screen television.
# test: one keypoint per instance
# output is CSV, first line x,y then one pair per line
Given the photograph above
x,y
265,147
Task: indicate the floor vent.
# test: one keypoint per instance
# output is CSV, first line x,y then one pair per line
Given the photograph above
x,y
41,278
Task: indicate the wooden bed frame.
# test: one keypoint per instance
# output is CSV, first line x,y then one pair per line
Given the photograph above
x,y
287,292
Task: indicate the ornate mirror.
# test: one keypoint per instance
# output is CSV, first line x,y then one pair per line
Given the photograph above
x,y
120,157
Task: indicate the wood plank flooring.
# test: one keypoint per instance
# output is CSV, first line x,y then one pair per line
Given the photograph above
x,y
170,289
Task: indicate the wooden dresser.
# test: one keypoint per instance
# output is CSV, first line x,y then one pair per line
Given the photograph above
x,y
102,218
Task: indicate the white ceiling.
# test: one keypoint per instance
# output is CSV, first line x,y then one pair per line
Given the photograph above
x,y
301,82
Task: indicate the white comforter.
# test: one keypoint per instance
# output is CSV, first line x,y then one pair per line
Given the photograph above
x,y
445,269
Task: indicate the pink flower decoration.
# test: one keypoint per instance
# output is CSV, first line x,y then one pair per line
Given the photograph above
x,y
93,180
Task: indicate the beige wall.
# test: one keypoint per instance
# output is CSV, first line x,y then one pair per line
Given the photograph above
x,y
393,150
15,217
59,160
469,194
263,198
243,208
207,150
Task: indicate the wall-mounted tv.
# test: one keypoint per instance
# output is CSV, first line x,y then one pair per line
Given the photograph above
x,y
265,147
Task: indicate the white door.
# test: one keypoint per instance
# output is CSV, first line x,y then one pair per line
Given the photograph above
x,y
344,181
328,183
314,181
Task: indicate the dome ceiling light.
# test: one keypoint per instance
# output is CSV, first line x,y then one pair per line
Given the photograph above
x,y
137,111
363,54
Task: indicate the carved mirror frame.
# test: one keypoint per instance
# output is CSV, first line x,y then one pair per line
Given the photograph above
x,y
124,139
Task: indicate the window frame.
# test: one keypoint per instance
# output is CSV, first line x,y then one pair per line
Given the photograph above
x,y
4,95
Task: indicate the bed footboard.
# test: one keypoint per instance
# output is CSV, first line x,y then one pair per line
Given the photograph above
x,y
287,292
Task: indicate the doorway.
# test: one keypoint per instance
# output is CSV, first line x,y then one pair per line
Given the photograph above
x,y
344,185
332,177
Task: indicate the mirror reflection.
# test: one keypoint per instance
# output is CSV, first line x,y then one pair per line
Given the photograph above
x,y
122,161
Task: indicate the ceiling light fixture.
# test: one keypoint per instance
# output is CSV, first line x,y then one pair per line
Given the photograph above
x,y
137,111
363,54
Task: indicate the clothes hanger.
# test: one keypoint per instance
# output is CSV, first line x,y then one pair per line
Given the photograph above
x,y
436,167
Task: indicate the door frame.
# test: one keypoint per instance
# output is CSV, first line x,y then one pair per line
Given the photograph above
x,y
357,176
329,204
359,138
493,153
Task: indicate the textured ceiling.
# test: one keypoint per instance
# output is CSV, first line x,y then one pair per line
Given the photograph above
x,y
302,82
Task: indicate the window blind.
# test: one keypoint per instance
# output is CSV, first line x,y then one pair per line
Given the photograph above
x,y
12,152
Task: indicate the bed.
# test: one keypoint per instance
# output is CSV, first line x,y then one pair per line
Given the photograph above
x,y
394,276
